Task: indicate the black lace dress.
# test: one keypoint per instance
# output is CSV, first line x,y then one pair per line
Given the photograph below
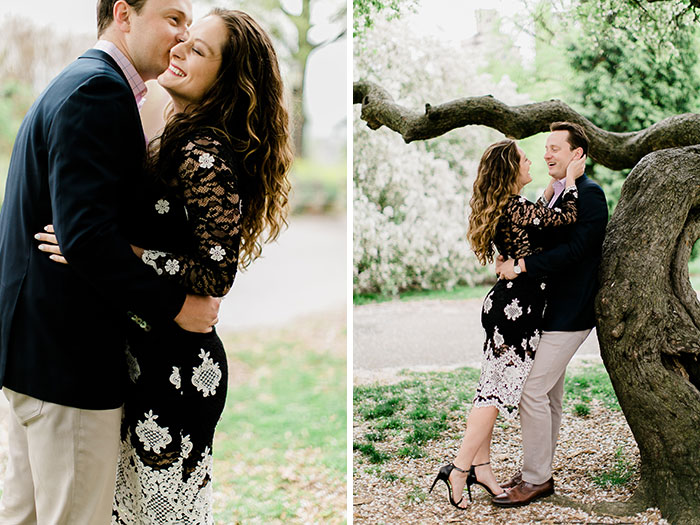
x,y
177,380
512,311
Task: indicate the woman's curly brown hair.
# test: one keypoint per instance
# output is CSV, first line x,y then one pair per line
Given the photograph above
x,y
495,182
245,109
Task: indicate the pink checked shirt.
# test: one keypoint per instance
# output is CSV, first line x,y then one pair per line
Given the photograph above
x,y
138,86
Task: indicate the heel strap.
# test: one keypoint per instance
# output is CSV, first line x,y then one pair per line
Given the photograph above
x,y
459,469
482,464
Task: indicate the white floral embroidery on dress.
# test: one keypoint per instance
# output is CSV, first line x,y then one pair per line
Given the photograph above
x,y
543,286
152,435
206,161
186,446
132,365
217,253
513,311
172,266
536,221
488,303
497,338
150,257
175,378
206,376
535,340
502,379
162,206
509,285
161,495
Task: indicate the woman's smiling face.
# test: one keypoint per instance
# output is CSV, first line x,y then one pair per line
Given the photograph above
x,y
195,63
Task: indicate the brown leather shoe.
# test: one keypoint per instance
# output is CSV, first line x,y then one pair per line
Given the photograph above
x,y
515,480
524,493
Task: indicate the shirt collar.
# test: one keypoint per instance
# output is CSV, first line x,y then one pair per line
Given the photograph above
x,y
559,185
136,83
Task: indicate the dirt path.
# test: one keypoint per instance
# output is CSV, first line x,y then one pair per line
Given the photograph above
x,y
424,335
303,273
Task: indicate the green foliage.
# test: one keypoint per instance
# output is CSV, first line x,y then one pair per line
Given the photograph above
x,y
634,65
411,451
318,187
371,453
591,382
582,409
620,473
384,409
379,436
426,431
629,65
365,11
622,64
15,100
416,495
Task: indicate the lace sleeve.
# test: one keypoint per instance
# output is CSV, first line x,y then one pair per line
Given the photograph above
x,y
525,213
542,201
213,207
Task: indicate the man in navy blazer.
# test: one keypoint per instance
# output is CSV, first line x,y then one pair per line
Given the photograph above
x,y
77,163
571,263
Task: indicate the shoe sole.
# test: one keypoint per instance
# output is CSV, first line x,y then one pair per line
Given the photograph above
x,y
522,503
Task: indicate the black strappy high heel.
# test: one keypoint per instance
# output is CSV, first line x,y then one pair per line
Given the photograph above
x,y
444,475
471,479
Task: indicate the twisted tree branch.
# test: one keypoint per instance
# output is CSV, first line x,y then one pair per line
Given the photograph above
x,y
614,150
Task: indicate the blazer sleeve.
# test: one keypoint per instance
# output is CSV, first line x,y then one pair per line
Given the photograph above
x,y
91,144
586,235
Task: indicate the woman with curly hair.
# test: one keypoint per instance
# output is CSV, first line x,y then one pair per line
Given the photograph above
x,y
217,188
513,310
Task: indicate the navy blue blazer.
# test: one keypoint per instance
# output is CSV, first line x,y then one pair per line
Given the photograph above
x,y
77,162
570,260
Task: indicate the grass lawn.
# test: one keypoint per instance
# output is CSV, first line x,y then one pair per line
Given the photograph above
x,y
280,449
403,432
417,408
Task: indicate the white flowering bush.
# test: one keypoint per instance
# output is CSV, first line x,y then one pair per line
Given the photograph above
x,y
411,202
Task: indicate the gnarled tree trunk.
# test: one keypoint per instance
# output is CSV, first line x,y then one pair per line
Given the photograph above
x,y
649,325
648,314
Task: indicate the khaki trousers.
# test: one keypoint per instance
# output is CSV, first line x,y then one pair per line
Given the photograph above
x,y
540,404
62,463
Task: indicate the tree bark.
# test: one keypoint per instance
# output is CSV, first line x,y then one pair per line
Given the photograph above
x,y
649,325
648,314
615,150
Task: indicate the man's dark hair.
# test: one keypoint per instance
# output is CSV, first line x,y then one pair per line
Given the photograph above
x,y
105,8
577,135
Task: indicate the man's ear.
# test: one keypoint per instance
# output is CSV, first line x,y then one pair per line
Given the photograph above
x,y
121,13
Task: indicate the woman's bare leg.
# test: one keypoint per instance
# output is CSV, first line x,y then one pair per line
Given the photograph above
x,y
479,429
482,466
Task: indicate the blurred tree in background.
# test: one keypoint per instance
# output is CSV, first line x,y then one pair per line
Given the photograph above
x,y
623,64
29,57
299,27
